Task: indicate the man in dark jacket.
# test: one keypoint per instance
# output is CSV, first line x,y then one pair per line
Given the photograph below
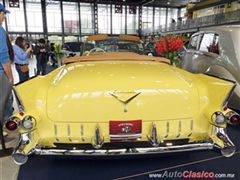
x,y
40,51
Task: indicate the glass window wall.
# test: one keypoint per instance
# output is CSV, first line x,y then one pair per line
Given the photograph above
x,y
34,16
71,17
147,18
172,15
118,21
16,20
86,18
104,19
132,22
54,23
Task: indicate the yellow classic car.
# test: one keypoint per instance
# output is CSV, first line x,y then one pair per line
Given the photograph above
x,y
120,103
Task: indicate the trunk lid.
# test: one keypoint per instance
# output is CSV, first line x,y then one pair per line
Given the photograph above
x,y
116,90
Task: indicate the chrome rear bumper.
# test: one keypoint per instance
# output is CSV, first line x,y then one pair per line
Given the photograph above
x,y
227,150
129,151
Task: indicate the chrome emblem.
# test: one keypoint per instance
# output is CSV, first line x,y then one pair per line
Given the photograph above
x,y
126,129
124,96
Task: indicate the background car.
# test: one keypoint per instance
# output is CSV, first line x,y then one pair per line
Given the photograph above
x,y
121,43
215,51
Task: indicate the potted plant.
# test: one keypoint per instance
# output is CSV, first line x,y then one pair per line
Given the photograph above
x,y
168,46
59,53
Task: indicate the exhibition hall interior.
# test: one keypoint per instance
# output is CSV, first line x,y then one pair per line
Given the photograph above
x,y
119,89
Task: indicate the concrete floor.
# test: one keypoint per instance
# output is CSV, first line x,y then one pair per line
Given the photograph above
x,y
8,169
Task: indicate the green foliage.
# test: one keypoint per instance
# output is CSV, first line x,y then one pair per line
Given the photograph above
x,y
59,52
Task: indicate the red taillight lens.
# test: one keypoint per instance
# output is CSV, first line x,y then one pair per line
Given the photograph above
x,y
235,119
11,125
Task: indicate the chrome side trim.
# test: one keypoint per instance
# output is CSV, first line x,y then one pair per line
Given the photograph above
x,y
69,132
153,138
179,129
55,132
19,101
97,140
130,151
167,130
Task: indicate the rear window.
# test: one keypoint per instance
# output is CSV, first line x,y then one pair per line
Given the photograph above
x,y
210,43
193,44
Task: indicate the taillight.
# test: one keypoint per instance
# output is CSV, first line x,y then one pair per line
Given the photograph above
x,y
218,118
233,118
28,123
11,125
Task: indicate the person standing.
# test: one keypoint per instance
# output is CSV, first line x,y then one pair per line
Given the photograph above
x,y
6,77
41,55
21,58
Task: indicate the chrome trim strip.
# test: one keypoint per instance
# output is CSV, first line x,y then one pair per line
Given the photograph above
x,y
55,132
179,129
19,101
97,140
191,127
125,135
69,132
153,138
167,130
131,151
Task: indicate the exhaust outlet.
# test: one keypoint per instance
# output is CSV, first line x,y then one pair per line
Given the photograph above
x,y
19,158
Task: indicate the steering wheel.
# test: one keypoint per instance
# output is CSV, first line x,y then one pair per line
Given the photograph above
x,y
96,49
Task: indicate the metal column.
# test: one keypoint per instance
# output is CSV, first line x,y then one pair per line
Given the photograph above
x,y
140,21
166,17
111,26
62,21
179,13
153,20
126,19
44,18
79,21
25,17
95,18
5,17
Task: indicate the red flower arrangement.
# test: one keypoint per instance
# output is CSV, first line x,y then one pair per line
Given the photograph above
x,y
168,46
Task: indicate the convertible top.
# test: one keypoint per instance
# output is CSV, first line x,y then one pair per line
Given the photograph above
x,y
115,56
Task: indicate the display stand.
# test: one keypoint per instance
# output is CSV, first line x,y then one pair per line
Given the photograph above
x,y
4,151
